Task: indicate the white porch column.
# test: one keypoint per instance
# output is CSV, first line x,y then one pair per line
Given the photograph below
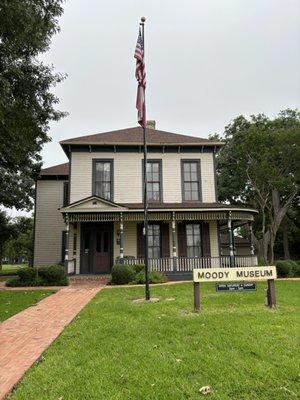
x,y
231,250
174,242
121,239
66,264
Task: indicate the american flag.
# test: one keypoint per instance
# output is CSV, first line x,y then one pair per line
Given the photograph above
x,y
140,74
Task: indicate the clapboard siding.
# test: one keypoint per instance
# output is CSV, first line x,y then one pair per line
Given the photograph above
x,y
49,222
214,240
128,175
129,239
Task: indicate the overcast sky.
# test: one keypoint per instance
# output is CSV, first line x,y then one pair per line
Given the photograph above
x,y
206,62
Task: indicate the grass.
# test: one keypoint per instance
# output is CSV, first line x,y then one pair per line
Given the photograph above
x,y
12,302
117,349
9,269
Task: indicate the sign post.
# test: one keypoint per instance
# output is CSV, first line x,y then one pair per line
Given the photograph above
x,y
235,274
271,293
196,297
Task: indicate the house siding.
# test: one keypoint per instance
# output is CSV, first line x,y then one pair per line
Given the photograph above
x,y
49,222
128,175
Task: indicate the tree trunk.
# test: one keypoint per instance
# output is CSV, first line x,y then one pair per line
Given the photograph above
x,y
285,239
1,251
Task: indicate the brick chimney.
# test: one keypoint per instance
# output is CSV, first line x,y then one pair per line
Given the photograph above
x,y
151,124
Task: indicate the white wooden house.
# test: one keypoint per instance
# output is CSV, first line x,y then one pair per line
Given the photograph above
x,y
89,210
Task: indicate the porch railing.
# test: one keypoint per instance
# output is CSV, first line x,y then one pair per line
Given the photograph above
x,y
187,264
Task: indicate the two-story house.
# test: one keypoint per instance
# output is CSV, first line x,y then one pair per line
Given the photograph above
x,y
89,211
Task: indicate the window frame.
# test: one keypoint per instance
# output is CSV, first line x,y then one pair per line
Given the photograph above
x,y
198,162
153,161
200,236
66,195
160,240
103,160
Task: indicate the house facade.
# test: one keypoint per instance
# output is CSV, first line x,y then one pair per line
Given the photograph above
x,y
89,211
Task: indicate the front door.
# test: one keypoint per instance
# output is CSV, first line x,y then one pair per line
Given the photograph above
x,y
97,249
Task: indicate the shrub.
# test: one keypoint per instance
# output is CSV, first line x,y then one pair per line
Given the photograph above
x,y
16,282
295,269
138,268
27,275
154,277
52,275
157,277
284,268
122,274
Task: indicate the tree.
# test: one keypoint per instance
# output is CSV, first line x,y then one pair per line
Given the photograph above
x,y
26,102
259,166
6,232
20,245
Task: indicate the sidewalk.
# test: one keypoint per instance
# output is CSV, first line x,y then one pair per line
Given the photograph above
x,y
25,336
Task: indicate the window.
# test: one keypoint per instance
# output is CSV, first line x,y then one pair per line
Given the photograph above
x,y
190,180
154,241
66,194
102,173
193,240
154,180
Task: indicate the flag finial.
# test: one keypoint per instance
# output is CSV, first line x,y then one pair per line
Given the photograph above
x,y
143,19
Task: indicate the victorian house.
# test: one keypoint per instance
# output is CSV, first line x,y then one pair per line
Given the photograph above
x,y
89,211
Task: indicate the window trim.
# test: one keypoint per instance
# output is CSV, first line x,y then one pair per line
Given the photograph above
x,y
111,161
159,161
160,236
201,237
190,160
66,194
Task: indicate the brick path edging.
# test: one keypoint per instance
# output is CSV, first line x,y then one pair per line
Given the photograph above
x,y
26,335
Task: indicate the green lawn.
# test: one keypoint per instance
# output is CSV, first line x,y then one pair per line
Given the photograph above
x,y
11,268
118,349
12,302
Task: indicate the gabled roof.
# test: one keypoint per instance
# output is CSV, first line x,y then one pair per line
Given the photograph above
x,y
60,169
134,136
91,204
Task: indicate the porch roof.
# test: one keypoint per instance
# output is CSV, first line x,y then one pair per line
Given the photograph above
x,y
95,208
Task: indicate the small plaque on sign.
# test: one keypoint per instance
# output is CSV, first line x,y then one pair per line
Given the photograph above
x,y
233,287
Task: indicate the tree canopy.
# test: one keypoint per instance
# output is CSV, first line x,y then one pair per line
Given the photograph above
x,y
27,104
259,166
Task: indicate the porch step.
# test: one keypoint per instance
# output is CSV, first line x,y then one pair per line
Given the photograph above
x,y
89,279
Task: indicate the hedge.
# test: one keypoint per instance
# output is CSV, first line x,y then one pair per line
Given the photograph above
x,y
123,274
52,275
287,268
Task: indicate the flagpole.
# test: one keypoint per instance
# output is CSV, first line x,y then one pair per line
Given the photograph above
x,y
147,289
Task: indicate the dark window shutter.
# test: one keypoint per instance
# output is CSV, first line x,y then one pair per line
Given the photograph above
x,y
66,194
63,245
165,240
205,240
181,237
140,241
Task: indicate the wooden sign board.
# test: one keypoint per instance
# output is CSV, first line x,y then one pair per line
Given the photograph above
x,y
235,287
234,274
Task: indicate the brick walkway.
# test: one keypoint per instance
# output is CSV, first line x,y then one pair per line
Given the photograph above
x,y
25,336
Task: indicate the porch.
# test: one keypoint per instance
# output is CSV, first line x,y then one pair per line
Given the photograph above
x,y
101,233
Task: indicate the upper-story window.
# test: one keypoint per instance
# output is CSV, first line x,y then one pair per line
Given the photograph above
x,y
66,194
190,175
103,178
154,190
